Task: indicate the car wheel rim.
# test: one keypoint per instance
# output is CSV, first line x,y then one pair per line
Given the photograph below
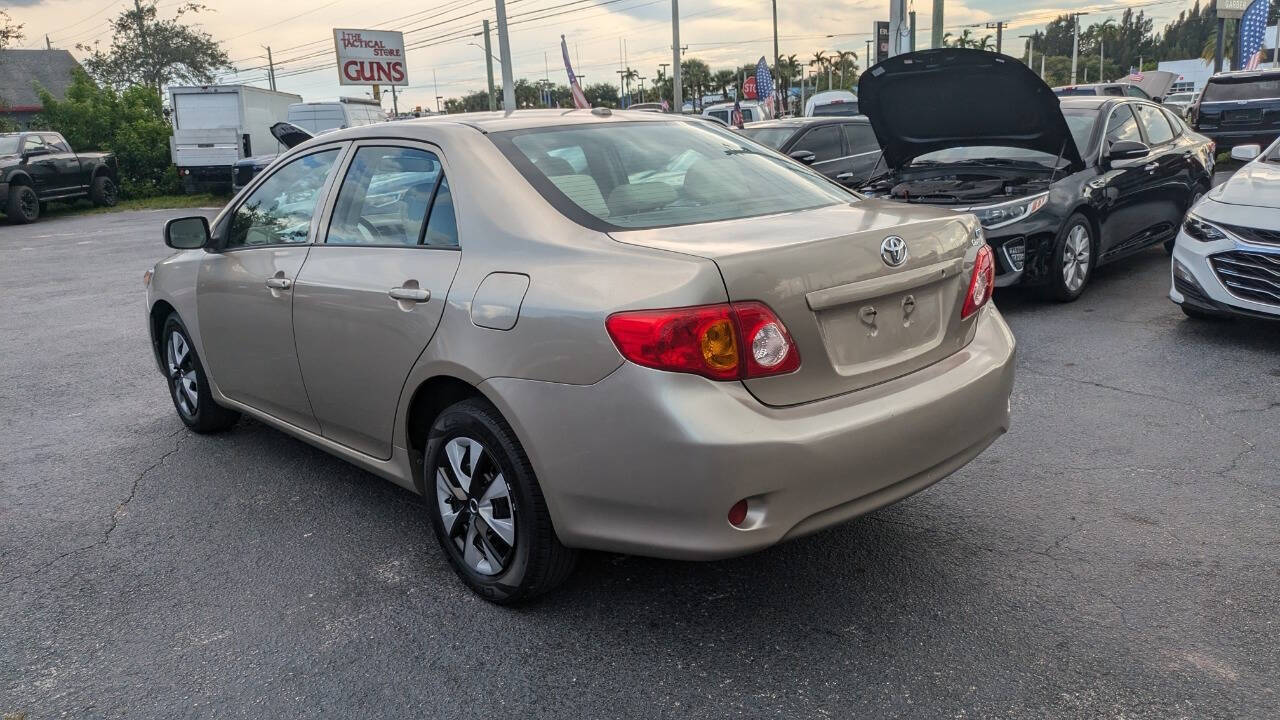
x,y
474,501
1075,258
182,374
109,191
30,204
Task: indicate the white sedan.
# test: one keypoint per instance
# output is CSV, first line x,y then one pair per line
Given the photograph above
x,y
1227,257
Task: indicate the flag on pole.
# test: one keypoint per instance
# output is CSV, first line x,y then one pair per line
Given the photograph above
x,y
764,84
735,118
1252,27
579,99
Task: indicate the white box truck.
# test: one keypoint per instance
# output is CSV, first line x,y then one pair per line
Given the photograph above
x,y
214,126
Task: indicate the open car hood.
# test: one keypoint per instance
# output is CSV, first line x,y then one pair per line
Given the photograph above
x,y
290,135
932,100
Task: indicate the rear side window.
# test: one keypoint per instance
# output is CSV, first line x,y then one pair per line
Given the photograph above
x,y
1253,89
1122,126
658,174
385,197
56,144
861,138
823,142
722,115
1175,122
1154,122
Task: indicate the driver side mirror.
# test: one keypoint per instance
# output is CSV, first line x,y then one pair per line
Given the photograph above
x,y
1127,150
803,156
188,233
1245,152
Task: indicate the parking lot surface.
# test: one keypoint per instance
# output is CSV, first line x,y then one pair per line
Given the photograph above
x,y
1114,555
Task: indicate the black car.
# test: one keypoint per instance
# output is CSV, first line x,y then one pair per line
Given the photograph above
x,y
1239,108
1060,186
842,148
37,167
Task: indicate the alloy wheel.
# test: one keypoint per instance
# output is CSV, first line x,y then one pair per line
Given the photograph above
x,y
109,193
182,374
1075,258
29,205
475,505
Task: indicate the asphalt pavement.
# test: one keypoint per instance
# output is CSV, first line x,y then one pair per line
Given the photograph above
x,y
1113,556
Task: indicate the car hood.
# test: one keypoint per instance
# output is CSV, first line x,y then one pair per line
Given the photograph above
x,y
951,97
1256,184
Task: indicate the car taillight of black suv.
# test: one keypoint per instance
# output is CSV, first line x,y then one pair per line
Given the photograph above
x,y
1240,108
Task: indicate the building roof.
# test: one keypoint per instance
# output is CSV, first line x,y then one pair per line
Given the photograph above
x,y
21,70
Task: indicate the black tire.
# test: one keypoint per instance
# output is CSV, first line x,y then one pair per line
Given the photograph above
x,y
1196,313
23,205
203,415
536,562
103,192
1058,287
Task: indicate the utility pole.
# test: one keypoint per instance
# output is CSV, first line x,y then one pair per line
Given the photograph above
x,y
936,42
1217,53
867,59
999,26
504,48
677,102
48,44
488,63
271,67
395,105
777,56
1031,48
1041,66
1101,58
911,44
1075,44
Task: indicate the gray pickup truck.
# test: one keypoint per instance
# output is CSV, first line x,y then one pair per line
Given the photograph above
x,y
36,167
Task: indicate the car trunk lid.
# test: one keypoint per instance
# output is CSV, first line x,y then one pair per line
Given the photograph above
x,y
856,320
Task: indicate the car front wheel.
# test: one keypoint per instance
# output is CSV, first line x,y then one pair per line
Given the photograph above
x,y
23,205
1072,262
188,384
486,508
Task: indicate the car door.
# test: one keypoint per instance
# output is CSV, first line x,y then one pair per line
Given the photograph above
x,y
864,153
41,165
70,177
245,287
826,142
1170,166
370,296
1127,186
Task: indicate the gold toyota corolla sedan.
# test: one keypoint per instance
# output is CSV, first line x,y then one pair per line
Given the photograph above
x,y
589,330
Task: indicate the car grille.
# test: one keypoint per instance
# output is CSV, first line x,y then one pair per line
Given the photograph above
x,y
1249,275
1255,235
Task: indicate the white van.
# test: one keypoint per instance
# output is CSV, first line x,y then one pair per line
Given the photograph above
x,y
317,117
831,102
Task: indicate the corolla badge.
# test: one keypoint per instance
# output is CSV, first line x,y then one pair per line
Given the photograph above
x,y
893,251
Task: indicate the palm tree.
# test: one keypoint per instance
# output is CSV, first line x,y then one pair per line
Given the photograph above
x,y
844,57
964,40
820,62
722,80
946,39
1211,44
627,77
985,43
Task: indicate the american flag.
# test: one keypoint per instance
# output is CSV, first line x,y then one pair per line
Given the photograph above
x,y
1252,27
764,83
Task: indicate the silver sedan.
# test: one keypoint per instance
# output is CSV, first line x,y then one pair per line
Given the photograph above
x,y
589,330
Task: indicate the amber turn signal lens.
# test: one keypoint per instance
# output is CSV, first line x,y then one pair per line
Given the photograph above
x,y
719,346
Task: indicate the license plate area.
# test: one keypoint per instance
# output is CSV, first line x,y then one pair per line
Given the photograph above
x,y
1244,115
871,335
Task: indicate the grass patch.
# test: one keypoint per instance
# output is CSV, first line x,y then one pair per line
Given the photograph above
x,y
161,202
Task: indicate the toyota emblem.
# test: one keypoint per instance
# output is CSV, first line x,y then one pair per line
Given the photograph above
x,y
893,251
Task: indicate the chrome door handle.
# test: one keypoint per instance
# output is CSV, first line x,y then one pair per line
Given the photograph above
x,y
409,294
1151,167
844,176
279,283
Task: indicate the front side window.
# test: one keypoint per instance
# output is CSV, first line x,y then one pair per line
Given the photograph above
x,y
1122,126
823,142
34,142
658,174
280,209
384,197
861,138
1154,122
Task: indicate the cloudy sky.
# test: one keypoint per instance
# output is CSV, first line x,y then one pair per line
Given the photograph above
x,y
722,32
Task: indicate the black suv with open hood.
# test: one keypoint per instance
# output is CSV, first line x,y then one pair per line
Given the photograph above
x,y
1059,186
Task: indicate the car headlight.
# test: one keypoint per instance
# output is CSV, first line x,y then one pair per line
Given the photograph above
x,y
1001,214
1199,229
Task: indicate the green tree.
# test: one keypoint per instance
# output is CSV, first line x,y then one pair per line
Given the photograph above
x,y
129,123
10,32
722,80
695,76
847,60
146,50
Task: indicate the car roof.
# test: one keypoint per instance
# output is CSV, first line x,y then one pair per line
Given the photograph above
x,y
499,121
1088,101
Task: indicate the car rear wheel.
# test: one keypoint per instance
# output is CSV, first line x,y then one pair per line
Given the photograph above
x,y
1073,261
188,384
23,205
103,192
486,508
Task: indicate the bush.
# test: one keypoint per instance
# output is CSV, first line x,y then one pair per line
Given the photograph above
x,y
130,124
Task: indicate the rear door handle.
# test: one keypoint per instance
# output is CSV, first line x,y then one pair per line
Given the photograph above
x,y
407,294
842,177
279,283
1151,167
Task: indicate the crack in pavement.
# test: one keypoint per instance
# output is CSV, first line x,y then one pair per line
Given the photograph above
x,y
116,515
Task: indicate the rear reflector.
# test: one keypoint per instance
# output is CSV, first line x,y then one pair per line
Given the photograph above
x,y
738,513
734,341
981,284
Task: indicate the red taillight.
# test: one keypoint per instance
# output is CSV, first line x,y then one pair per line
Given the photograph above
x,y
738,513
723,342
982,284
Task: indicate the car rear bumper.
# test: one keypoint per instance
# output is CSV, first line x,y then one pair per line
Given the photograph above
x,y
649,462
1227,139
1197,284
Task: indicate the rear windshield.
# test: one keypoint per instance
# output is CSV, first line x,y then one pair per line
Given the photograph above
x,y
774,137
659,174
1252,89
841,109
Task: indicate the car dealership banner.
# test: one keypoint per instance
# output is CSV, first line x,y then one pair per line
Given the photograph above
x,y
370,57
